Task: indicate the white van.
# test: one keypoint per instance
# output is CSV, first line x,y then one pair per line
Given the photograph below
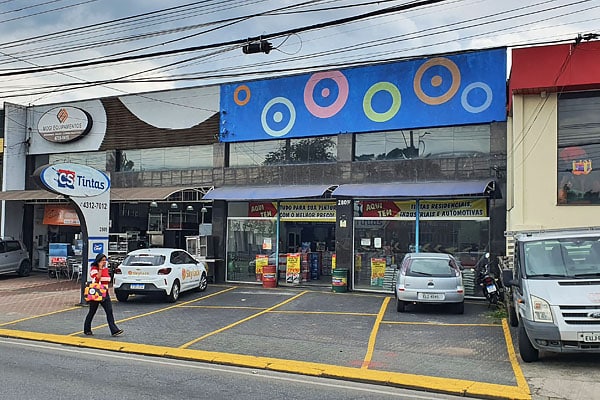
x,y
555,291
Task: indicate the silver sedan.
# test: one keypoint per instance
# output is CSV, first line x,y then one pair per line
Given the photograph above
x,y
429,278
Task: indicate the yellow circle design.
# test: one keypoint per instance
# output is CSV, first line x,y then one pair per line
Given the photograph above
x,y
396,101
434,101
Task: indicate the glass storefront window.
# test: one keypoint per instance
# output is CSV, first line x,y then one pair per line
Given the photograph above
x,y
457,227
95,159
169,158
578,150
287,151
247,238
456,141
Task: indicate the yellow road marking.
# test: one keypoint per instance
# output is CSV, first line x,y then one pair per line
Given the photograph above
x,y
159,311
521,381
373,337
191,342
227,307
435,324
325,313
39,316
456,387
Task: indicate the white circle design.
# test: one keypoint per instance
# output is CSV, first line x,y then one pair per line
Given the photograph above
x,y
278,116
465,102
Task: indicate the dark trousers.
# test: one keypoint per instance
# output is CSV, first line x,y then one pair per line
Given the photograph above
x,y
106,304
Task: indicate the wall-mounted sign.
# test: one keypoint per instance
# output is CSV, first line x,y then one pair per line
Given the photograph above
x,y
60,215
428,209
74,180
456,89
64,124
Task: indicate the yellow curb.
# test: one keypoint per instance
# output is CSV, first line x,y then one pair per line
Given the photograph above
x,y
409,381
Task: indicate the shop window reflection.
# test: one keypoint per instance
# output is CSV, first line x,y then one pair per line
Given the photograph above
x,y
247,238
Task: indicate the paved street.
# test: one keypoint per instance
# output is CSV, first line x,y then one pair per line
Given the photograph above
x,y
351,336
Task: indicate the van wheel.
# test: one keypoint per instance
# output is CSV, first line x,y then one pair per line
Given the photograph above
x,y
400,305
513,320
24,268
172,298
526,349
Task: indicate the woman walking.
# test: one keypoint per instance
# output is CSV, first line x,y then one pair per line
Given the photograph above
x,y
99,273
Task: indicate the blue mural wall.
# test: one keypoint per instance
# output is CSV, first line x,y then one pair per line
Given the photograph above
x,y
467,88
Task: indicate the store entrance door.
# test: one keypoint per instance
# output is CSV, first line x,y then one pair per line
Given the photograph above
x,y
306,253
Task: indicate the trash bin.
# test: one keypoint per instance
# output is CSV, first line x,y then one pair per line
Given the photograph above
x,y
339,280
269,276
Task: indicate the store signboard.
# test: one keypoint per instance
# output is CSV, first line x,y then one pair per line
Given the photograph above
x,y
428,209
64,124
455,89
314,211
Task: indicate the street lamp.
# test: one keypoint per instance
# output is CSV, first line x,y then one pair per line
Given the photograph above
x,y
204,210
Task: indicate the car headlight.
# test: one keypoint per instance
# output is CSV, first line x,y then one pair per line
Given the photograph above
x,y
541,310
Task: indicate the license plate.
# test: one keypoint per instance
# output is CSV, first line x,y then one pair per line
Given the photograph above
x,y
136,286
491,288
430,296
589,337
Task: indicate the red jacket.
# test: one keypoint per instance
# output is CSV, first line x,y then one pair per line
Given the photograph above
x,y
104,277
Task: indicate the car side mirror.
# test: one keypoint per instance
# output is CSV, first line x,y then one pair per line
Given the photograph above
x,y
507,277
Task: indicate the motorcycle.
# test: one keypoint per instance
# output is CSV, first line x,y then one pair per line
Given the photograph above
x,y
490,285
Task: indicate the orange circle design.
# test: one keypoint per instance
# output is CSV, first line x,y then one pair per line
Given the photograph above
x,y
434,101
236,95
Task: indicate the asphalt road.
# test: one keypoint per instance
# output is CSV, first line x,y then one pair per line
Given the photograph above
x,y
32,370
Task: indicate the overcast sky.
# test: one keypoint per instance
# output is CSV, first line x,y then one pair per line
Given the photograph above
x,y
32,38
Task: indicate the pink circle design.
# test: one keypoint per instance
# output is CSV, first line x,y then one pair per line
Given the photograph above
x,y
337,105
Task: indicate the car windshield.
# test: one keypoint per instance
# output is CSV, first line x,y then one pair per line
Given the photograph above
x,y
431,267
144,260
570,258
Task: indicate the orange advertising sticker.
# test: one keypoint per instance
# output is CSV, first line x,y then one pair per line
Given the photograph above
x,y
60,215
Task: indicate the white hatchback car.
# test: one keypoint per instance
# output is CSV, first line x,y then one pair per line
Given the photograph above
x,y
430,278
161,271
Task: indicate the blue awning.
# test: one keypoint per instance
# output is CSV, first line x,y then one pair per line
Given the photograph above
x,y
267,192
419,189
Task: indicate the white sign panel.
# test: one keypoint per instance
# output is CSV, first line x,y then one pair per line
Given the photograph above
x,y
64,124
73,180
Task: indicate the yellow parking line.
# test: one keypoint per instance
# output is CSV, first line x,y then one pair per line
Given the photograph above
x,y
188,344
159,311
521,381
38,316
373,337
435,323
326,313
227,307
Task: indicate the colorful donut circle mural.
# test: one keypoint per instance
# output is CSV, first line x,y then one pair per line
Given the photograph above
x,y
437,81
465,94
278,117
343,91
236,95
394,108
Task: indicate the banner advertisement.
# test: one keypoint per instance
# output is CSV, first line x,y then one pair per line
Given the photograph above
x,y
314,211
60,215
377,271
333,261
266,210
428,209
262,260
292,271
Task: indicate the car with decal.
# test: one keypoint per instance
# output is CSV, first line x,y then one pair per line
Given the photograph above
x,y
159,271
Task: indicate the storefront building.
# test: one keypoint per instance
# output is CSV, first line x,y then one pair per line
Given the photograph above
x,y
346,169
391,158
554,137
